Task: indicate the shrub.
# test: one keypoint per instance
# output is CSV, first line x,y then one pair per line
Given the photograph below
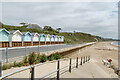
x,y
50,58
15,64
38,59
54,56
57,56
43,58
4,67
10,65
32,58
18,64
25,59
7,66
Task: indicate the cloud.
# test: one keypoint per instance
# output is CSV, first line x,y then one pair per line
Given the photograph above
x,y
98,18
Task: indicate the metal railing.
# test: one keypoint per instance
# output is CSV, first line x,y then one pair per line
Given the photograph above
x,y
55,74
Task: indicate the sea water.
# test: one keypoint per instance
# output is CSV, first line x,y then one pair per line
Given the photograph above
x,y
116,43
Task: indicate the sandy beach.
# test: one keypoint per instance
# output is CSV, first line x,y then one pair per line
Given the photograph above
x,y
98,52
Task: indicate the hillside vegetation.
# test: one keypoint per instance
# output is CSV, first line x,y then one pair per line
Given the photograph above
x,y
70,38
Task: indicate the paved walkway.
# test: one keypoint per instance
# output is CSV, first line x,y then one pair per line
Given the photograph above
x,y
90,69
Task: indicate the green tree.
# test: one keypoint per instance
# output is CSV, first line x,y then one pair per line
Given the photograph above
x,y
47,28
58,29
24,24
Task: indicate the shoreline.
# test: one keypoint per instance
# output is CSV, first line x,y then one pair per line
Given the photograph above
x,y
115,45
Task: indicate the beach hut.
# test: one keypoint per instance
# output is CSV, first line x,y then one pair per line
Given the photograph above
x,y
52,39
4,38
59,39
15,38
27,39
48,39
42,39
56,39
62,39
35,39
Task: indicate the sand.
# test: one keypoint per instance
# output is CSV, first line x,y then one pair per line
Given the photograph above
x,y
95,69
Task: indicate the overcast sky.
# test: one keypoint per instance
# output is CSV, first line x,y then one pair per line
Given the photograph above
x,y
97,18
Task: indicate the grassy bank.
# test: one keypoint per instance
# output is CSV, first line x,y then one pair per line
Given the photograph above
x,y
69,37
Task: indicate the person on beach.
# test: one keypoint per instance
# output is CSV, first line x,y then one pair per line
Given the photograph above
x,y
110,60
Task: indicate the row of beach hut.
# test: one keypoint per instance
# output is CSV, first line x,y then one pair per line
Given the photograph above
x,y
18,39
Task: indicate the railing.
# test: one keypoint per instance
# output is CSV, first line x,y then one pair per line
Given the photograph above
x,y
55,74
70,67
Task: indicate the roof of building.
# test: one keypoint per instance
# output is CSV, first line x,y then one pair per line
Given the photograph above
x,y
25,33
1,29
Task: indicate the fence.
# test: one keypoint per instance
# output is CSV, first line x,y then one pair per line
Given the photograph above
x,y
55,74
70,67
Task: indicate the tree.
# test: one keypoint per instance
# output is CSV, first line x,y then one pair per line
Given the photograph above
x,y
58,29
24,24
74,31
47,28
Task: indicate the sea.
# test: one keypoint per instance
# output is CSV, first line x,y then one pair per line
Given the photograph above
x,y
116,43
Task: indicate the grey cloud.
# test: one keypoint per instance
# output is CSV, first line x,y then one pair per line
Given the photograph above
x,y
98,18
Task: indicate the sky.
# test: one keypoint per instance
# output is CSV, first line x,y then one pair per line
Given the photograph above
x,y
97,18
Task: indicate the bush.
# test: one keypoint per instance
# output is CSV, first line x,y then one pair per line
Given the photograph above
x,y
32,58
50,58
54,56
18,64
25,60
14,64
38,58
4,67
43,58
7,66
57,56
